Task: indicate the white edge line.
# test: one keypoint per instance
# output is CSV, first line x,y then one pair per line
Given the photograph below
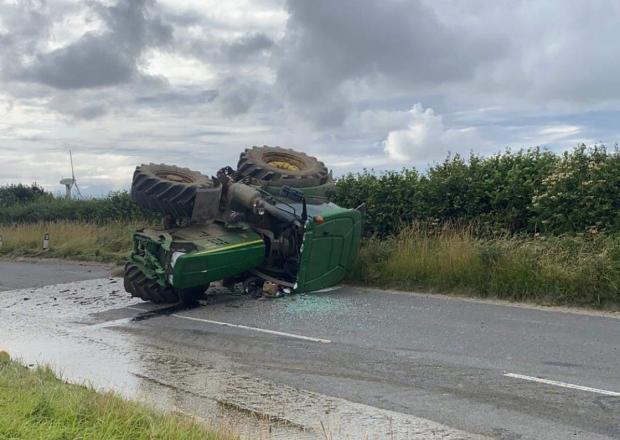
x,y
256,329
563,384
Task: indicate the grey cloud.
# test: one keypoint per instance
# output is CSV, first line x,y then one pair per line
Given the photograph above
x,y
237,97
88,104
92,111
102,59
248,45
191,97
232,79
579,65
82,111
90,62
133,24
213,50
464,54
76,80
184,18
27,24
558,52
329,44
85,106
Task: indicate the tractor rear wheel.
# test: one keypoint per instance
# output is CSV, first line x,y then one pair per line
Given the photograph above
x,y
168,189
140,286
275,166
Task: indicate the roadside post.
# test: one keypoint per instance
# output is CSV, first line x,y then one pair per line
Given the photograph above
x,y
46,241
1,243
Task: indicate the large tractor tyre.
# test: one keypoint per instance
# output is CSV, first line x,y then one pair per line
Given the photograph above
x,y
141,286
167,189
275,166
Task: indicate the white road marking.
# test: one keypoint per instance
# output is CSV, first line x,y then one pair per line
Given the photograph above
x,y
245,327
256,329
563,384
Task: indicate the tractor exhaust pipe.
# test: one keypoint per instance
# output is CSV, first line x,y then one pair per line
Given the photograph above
x,y
252,199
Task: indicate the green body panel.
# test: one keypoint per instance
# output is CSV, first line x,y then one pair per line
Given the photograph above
x,y
329,249
204,253
222,256
197,255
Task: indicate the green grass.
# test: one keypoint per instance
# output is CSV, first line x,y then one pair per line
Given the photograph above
x,y
110,242
579,270
576,270
35,404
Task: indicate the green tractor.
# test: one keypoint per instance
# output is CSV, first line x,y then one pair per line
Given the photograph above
x,y
267,226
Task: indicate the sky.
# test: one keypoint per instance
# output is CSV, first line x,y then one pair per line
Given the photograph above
x,y
359,83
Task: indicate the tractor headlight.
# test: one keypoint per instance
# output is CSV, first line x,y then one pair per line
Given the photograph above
x,y
175,257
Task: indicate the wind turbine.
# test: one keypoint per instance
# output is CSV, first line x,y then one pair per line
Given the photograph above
x,y
70,182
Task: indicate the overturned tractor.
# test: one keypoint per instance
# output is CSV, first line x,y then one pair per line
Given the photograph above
x,y
268,226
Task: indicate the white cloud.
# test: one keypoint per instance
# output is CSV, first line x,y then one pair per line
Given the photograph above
x,y
426,138
556,133
179,70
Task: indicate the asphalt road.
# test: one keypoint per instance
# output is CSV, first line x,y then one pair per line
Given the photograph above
x,y
500,371
25,274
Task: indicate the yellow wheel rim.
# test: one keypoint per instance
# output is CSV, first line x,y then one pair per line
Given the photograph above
x,y
281,165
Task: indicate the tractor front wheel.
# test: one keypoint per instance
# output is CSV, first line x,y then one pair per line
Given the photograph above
x,y
140,286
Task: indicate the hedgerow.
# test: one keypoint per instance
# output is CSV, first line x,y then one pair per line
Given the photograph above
x,y
527,191
44,207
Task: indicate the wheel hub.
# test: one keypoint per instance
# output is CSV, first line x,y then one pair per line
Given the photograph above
x,y
281,165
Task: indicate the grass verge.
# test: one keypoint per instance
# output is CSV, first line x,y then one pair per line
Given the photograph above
x,y
576,270
110,242
566,270
35,404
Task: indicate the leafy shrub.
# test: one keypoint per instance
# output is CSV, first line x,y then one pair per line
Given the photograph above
x,y
19,194
115,207
581,193
390,198
527,191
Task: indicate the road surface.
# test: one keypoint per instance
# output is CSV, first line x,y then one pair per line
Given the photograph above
x,y
355,362
35,273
